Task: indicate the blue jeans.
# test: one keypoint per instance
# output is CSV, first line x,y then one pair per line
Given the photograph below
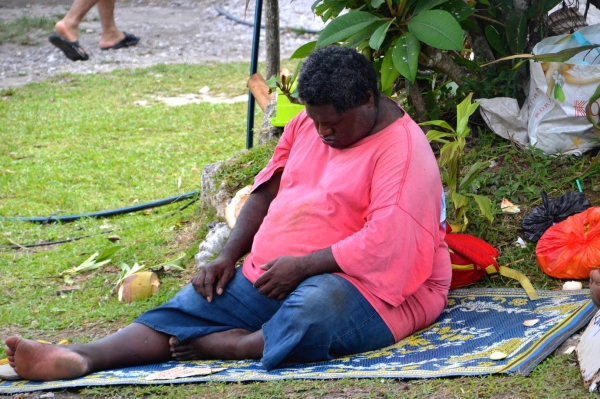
x,y
323,318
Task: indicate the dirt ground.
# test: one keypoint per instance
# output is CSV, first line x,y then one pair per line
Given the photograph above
x,y
171,31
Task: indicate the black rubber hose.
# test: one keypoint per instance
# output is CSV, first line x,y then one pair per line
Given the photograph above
x,y
248,23
105,214
48,243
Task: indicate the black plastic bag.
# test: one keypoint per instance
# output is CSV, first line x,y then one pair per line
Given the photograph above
x,y
540,218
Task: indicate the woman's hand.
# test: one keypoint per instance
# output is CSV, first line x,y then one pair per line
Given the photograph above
x,y
220,272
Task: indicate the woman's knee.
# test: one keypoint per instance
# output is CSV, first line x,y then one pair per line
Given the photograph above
x,y
323,295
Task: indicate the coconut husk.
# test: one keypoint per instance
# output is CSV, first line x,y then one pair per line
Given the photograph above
x,y
138,286
232,210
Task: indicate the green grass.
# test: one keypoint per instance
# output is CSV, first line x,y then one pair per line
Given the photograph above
x,y
26,30
80,144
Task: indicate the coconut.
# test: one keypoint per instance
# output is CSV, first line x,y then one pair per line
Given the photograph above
x,y
138,286
232,210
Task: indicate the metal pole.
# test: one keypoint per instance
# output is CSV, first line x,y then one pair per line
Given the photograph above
x,y
253,70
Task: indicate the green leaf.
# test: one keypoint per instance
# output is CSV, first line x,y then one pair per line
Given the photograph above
x,y
463,111
472,65
329,8
272,81
379,35
128,271
439,123
564,55
516,31
559,56
87,265
495,39
405,55
559,94
358,38
170,265
467,24
473,173
485,206
108,253
435,136
459,200
448,153
304,50
345,26
438,29
459,9
424,5
389,74
377,3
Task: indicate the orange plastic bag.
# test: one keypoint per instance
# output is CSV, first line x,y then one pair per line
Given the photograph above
x,y
571,249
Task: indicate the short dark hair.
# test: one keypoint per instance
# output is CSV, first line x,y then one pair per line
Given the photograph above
x,y
339,76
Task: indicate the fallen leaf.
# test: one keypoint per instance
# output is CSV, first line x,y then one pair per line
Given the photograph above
x,y
508,207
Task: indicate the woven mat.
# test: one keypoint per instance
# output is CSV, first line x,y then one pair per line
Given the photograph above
x,y
476,323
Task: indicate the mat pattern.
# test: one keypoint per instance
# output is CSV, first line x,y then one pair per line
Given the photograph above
x,y
475,323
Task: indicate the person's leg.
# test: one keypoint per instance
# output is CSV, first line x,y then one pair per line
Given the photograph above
x,y
69,25
240,309
324,318
134,345
111,35
227,328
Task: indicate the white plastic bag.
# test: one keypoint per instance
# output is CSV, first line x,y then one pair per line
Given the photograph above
x,y
559,93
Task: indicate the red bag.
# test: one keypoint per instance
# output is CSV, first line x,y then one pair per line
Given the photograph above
x,y
571,249
472,258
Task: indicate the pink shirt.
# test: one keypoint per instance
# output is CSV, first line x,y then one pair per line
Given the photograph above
x,y
376,203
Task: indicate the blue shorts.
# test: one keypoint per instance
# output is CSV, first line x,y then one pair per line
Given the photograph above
x,y
324,318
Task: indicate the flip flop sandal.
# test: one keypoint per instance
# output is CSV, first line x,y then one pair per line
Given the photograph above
x,y
128,40
72,50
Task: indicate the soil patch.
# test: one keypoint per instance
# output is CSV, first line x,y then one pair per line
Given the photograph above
x,y
171,32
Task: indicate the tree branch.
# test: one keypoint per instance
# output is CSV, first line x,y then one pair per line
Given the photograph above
x,y
436,59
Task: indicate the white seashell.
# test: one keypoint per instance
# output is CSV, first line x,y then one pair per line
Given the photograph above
x,y
530,323
572,285
498,355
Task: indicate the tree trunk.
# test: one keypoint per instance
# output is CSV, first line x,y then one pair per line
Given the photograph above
x,y
479,44
436,59
414,94
272,38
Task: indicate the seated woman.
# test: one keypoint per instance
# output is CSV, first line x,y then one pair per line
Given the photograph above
x,y
346,252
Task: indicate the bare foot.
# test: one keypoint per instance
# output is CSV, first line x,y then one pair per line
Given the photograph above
x,y
110,38
68,32
595,287
42,362
233,344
